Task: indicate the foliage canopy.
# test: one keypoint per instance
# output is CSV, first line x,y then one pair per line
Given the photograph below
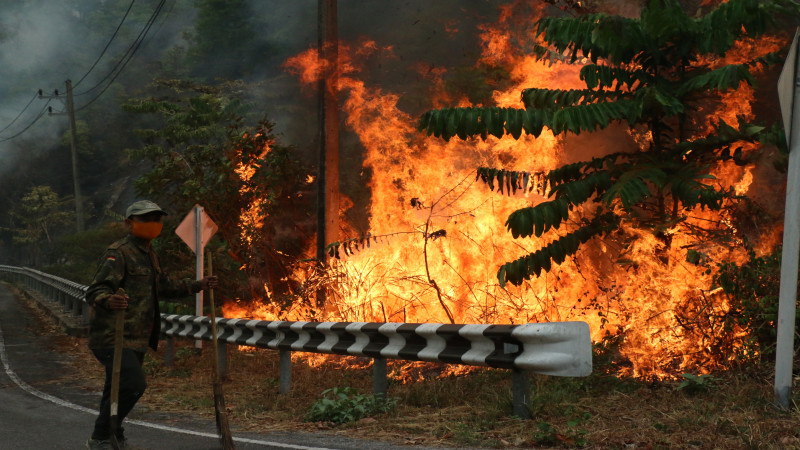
x,y
650,73
204,151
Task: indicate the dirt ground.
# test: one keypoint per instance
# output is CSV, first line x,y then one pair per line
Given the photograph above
x,y
454,406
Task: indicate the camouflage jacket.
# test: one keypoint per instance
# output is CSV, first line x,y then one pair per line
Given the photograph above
x,y
132,265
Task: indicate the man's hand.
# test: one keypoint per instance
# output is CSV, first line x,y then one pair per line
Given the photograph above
x,y
117,301
209,282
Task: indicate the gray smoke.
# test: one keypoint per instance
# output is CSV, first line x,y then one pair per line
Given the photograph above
x,y
45,42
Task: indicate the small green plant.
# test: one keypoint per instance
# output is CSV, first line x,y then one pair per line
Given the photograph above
x,y
466,434
547,434
695,384
185,352
175,308
344,405
752,290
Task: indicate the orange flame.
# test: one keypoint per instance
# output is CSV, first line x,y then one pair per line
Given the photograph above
x,y
438,237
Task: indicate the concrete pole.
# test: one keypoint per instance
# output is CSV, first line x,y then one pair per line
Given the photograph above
x,y
79,220
521,393
285,374
380,383
787,297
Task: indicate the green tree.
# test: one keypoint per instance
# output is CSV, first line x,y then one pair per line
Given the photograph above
x,y
224,41
645,72
203,152
38,218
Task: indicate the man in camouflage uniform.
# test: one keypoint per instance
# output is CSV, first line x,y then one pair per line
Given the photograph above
x,y
131,265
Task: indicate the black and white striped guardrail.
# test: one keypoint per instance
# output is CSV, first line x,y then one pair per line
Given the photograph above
x,y
558,348
555,348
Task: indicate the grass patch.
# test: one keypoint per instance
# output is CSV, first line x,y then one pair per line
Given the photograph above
x,y
438,404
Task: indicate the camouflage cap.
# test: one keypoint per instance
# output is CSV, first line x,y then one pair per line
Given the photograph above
x,y
143,207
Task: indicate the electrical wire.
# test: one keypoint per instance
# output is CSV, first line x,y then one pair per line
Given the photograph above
x,y
121,64
20,113
108,44
41,114
125,59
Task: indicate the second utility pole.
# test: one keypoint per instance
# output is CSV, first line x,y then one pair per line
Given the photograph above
x,y
74,149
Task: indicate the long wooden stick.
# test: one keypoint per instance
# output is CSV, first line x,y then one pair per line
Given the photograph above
x,y
116,366
223,428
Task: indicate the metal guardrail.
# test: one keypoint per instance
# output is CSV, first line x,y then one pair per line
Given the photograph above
x,y
69,294
558,348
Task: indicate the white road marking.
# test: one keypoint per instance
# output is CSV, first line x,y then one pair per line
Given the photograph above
x,y
44,396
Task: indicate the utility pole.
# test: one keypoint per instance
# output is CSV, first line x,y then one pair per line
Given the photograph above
x,y
328,177
74,150
79,220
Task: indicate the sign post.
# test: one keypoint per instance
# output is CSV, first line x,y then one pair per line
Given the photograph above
x,y
196,230
789,97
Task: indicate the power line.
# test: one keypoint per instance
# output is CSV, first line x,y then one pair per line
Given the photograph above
x,y
39,116
107,44
126,57
118,68
20,113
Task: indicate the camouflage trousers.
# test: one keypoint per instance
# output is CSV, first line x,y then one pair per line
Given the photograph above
x,y
132,384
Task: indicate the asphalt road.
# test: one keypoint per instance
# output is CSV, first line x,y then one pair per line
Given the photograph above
x,y
39,411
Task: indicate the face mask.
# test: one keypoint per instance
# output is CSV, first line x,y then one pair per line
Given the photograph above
x,y
147,230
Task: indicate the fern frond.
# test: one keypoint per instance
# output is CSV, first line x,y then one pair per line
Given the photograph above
x,y
555,99
351,246
607,77
692,193
581,118
718,30
483,121
722,79
595,36
632,186
513,180
533,264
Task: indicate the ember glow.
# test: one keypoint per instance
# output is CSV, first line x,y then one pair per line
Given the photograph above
x,y
437,237
251,218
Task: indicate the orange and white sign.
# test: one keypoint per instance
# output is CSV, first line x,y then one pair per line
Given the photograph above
x,y
187,229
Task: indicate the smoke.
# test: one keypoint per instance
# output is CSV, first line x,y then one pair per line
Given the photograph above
x,y
412,33
31,42
44,43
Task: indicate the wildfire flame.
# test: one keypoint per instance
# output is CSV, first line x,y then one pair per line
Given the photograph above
x,y
438,237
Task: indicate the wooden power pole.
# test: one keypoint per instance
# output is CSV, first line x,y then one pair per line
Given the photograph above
x,y
328,177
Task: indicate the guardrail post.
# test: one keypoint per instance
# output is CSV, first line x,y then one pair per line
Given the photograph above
x,y
76,307
285,371
222,359
86,312
380,382
169,351
521,393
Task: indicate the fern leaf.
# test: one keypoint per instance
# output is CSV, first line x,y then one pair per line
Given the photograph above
x,y
521,269
606,77
722,79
